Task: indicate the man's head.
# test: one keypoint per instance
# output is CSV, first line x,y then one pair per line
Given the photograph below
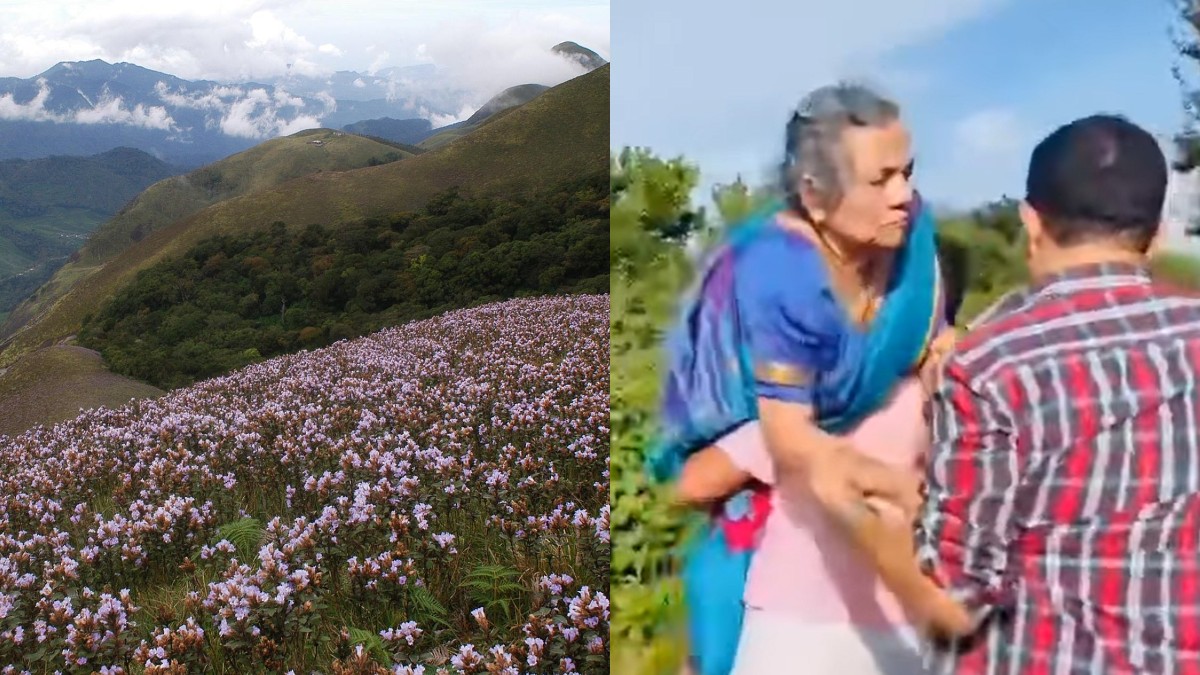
x,y
849,165
1094,192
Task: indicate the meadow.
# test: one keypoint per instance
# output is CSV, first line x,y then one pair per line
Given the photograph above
x,y
432,498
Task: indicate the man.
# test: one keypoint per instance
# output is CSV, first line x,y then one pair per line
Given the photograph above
x,y
1061,530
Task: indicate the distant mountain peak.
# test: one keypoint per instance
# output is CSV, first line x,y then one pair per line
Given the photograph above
x,y
579,54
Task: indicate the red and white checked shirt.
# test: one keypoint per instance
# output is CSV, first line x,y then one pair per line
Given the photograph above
x,y
1064,480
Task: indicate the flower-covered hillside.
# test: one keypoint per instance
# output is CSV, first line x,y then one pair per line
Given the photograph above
x,y
431,498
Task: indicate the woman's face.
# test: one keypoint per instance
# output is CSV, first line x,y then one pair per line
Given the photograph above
x,y
877,188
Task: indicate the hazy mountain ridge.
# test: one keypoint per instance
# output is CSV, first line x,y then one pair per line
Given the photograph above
x,y
86,107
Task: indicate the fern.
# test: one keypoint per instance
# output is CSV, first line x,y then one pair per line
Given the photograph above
x,y
245,534
428,608
493,586
373,643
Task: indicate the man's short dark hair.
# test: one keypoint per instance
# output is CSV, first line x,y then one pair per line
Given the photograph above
x,y
1097,178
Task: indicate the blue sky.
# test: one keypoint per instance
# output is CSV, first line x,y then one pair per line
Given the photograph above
x,y
980,81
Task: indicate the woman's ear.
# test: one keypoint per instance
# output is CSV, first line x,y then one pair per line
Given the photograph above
x,y
813,199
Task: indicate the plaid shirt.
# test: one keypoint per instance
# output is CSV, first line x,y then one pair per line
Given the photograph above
x,y
1064,483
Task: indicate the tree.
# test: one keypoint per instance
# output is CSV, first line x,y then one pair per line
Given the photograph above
x,y
651,207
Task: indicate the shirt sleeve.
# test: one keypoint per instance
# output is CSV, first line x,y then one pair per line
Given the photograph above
x,y
784,308
967,522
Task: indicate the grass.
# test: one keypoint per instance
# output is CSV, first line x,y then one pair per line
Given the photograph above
x,y
52,384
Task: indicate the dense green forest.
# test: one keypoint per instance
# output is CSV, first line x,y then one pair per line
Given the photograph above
x,y
234,300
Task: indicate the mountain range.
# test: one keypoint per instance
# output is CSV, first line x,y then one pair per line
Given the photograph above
x,y
87,107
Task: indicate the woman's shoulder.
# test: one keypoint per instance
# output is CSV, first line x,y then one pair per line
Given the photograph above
x,y
776,257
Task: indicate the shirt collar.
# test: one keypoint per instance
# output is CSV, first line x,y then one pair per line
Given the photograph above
x,y
1107,274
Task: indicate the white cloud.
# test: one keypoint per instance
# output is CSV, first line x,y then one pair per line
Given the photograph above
x,y
109,110
479,47
987,148
440,120
35,109
257,114
380,61
113,111
242,40
300,123
989,135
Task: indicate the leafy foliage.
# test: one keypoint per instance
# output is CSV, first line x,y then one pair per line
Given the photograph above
x,y
234,300
492,587
245,534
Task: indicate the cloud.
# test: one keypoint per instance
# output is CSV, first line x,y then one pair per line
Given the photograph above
x,y
478,59
34,110
113,111
108,110
250,112
244,40
984,149
258,114
989,135
477,48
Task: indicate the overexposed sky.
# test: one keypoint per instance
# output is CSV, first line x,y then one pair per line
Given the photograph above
x,y
478,41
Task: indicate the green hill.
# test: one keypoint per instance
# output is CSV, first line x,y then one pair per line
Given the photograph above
x,y
494,109
268,164
560,136
234,300
52,385
49,206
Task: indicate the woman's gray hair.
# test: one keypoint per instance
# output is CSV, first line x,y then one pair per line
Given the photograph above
x,y
814,148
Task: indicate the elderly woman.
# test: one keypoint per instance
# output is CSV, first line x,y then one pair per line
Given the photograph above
x,y
804,323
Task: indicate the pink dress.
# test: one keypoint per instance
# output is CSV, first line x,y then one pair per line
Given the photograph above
x,y
804,566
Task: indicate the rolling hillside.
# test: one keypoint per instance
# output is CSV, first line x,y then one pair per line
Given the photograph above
x,y
49,206
562,134
399,131
265,165
492,110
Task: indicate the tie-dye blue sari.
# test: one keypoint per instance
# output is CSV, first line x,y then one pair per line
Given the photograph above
x,y
711,389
